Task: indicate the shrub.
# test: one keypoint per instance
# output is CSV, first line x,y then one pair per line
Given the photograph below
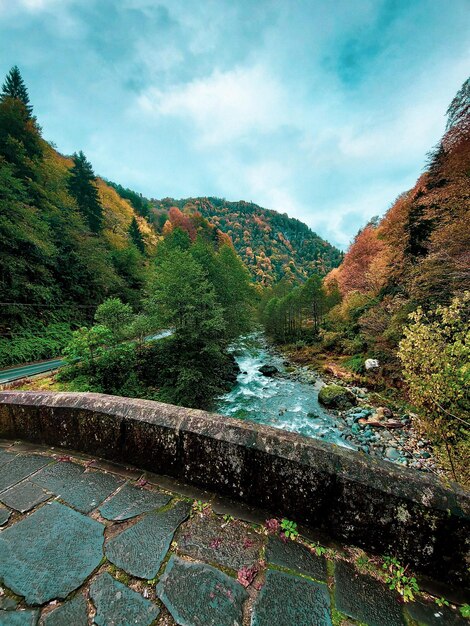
x,y
435,356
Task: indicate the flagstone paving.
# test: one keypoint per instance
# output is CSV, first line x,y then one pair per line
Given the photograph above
x,y
80,545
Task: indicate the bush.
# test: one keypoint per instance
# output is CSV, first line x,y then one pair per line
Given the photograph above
x,y
44,343
435,356
356,364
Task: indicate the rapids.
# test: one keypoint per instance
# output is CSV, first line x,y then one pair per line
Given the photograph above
x,y
282,401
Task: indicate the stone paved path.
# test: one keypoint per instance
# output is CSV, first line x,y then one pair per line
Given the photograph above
x,y
84,542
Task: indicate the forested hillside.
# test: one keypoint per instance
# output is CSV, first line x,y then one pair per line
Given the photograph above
x,y
67,239
272,245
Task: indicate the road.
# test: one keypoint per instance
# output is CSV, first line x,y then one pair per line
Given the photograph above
x,y
24,371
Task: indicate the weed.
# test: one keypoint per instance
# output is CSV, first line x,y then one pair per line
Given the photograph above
x,y
397,579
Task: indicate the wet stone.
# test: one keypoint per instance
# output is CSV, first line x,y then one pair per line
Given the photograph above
x,y
201,595
140,549
7,603
4,515
288,599
19,618
365,599
20,468
84,491
295,557
231,545
50,553
71,613
6,457
24,496
429,614
118,605
131,501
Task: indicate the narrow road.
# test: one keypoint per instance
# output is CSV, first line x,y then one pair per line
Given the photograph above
x,y
24,371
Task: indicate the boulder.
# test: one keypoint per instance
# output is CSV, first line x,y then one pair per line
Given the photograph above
x,y
371,365
336,397
268,370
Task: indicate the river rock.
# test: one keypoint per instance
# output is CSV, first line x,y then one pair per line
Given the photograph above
x,y
268,370
381,414
336,397
371,365
392,454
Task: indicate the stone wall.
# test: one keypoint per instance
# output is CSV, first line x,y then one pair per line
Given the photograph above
x,y
358,500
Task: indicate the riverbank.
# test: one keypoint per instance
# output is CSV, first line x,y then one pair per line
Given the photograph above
x,y
378,425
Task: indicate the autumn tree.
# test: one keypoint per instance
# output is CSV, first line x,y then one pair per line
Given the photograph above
x,y
82,186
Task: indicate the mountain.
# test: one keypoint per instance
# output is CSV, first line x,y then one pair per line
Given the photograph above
x,y
418,254
272,245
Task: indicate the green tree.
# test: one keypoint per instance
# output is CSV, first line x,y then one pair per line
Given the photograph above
x,y
136,236
82,186
88,344
14,87
194,361
116,316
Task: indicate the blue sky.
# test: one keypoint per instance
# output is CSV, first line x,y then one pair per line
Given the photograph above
x,y
323,109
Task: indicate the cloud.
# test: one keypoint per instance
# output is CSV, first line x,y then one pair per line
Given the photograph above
x,y
225,106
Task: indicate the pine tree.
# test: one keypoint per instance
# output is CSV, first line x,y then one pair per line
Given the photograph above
x,y
14,87
136,236
82,186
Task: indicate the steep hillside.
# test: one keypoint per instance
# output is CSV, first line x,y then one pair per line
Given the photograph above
x,y
419,253
67,239
272,245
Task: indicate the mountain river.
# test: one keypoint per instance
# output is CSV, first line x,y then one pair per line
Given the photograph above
x,y
282,401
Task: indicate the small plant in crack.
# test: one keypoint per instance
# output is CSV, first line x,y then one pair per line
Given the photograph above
x,y
398,580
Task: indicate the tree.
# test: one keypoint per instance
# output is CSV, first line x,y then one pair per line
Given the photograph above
x,y
193,359
136,236
82,186
115,315
14,87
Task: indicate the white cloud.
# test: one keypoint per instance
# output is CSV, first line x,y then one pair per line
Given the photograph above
x,y
225,106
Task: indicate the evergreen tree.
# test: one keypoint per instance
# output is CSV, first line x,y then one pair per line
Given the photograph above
x,y
83,188
14,87
136,236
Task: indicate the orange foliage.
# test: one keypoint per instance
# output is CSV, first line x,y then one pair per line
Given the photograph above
x,y
180,220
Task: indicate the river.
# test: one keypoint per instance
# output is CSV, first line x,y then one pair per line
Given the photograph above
x,y
282,401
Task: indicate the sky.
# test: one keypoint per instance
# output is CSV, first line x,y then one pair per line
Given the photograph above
x,y
322,109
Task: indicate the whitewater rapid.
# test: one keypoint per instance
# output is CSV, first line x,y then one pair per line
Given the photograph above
x,y
281,401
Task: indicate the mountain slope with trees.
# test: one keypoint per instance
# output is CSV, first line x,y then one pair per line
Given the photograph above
x,y
272,245
67,239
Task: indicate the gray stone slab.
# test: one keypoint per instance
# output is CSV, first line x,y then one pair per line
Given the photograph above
x,y
84,491
24,496
4,515
6,457
201,595
18,618
231,545
365,599
140,549
20,468
288,599
50,553
117,605
71,613
295,557
429,614
131,501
